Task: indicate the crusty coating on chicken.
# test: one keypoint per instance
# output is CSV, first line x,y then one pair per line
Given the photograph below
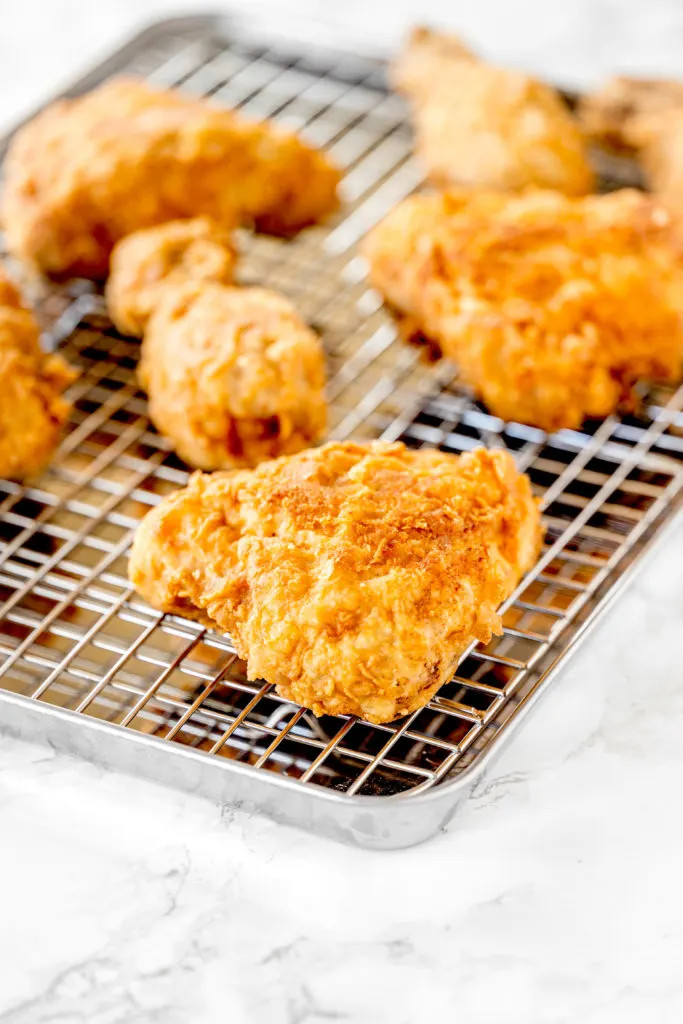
x,y
625,114
148,261
32,410
477,125
352,577
551,307
233,375
89,171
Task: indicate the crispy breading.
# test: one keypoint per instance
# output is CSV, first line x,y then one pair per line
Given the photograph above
x,y
32,410
551,307
352,576
625,113
478,125
89,171
234,376
148,261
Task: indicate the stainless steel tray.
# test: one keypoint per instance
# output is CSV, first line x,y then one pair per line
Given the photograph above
x,y
87,666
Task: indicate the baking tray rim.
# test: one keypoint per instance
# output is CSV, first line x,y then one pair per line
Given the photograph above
x,y
465,779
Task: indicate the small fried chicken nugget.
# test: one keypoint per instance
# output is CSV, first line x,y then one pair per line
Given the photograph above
x,y
625,114
32,410
482,126
352,576
551,307
233,375
148,261
86,172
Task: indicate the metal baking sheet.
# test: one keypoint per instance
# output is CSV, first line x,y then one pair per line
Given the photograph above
x,y
86,665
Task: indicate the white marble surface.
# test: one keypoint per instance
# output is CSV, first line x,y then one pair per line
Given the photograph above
x,y
43,42
555,895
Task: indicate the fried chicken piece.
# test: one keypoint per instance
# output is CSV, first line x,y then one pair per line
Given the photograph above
x,y
352,576
643,117
662,161
87,172
148,261
9,295
625,114
552,307
427,54
478,125
32,410
234,376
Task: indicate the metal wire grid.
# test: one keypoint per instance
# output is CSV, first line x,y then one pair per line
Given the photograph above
x,y
74,634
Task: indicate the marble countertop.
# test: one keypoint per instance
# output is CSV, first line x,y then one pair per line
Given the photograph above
x,y
553,897
575,42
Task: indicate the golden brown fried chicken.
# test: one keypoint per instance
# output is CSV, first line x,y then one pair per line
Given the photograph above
x,y
352,577
625,114
32,410
551,307
427,54
643,117
234,376
478,125
89,171
148,261
662,160
9,296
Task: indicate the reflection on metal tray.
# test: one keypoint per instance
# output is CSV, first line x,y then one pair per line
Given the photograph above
x,y
86,665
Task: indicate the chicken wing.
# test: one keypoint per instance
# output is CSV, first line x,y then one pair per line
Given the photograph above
x,y
88,171
32,410
352,577
552,307
148,261
233,375
478,125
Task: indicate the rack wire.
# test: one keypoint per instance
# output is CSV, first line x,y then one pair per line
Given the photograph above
x,y
73,634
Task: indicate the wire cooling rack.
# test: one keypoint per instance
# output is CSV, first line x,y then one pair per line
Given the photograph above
x,y
78,645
